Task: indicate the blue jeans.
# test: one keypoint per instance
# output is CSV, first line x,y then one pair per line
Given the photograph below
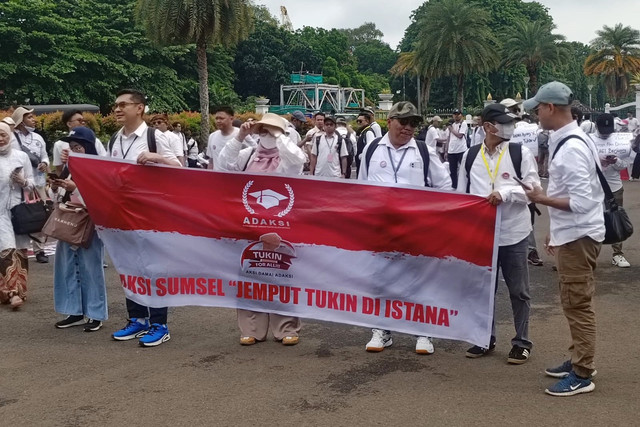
x,y
79,287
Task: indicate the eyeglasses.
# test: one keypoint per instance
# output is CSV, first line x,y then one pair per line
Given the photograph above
x,y
80,120
411,121
122,105
158,122
359,121
535,110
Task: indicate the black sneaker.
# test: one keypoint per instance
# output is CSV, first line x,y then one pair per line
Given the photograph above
x,y
70,321
477,351
518,355
92,325
42,258
534,258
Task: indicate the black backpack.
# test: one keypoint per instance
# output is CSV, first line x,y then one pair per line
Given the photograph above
x,y
422,149
151,141
515,152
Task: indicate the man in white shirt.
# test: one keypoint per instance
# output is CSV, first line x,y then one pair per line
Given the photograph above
x,y
396,158
377,130
32,143
457,145
329,152
224,133
611,167
73,119
575,200
477,134
365,136
161,122
192,150
494,164
177,131
133,142
633,125
434,136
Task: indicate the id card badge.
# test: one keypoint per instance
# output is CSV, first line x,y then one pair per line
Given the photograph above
x,y
330,158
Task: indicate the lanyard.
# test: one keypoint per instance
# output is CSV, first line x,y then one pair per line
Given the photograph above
x,y
124,154
333,141
393,164
492,174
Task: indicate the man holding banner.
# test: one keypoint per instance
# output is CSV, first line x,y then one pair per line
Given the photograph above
x,y
133,142
397,158
490,170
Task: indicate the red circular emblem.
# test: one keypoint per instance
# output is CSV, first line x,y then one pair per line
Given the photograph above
x,y
506,175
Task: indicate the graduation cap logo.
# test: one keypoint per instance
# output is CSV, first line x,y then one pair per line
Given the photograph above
x,y
268,198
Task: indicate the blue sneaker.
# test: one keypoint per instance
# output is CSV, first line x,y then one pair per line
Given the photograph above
x,y
564,370
157,335
571,385
134,329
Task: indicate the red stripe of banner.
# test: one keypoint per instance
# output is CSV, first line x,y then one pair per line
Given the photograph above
x,y
341,214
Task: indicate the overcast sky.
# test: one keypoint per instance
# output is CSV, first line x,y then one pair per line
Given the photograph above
x,y
577,20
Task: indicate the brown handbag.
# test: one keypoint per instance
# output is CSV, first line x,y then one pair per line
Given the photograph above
x,y
70,223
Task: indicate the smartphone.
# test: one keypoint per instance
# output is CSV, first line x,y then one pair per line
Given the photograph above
x,y
54,176
18,169
519,181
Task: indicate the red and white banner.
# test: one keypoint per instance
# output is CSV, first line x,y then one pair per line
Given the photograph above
x,y
405,259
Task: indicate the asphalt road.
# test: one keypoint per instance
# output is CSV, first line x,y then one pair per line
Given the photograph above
x,y
51,377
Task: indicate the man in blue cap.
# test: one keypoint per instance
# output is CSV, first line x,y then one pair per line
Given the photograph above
x,y
575,200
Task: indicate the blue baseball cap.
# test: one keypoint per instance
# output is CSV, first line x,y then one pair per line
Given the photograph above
x,y
81,134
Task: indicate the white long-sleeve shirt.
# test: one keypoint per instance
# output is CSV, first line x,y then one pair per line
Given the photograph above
x,y
233,157
515,222
410,169
572,174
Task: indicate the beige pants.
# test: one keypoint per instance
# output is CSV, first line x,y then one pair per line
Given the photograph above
x,y
257,324
576,262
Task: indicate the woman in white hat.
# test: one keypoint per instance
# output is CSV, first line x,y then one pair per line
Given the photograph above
x,y
275,153
15,176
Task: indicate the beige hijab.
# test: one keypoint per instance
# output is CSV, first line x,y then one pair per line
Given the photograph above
x,y
5,150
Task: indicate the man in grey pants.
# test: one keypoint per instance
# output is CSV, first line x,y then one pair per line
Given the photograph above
x,y
491,174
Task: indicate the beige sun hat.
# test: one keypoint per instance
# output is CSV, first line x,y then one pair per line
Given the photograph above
x,y
274,121
8,120
18,115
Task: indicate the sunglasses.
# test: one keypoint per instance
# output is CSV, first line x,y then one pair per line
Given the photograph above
x,y
122,105
411,121
158,122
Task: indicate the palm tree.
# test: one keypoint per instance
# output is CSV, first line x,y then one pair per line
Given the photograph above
x,y
616,58
455,40
532,44
406,64
206,23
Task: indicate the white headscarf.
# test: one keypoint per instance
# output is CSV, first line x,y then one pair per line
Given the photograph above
x,y
5,149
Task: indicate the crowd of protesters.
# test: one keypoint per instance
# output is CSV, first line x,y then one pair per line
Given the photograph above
x,y
474,157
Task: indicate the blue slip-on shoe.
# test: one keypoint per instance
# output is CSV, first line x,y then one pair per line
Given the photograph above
x,y
157,335
134,329
571,385
564,370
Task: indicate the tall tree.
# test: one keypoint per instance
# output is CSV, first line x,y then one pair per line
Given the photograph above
x,y
533,45
406,64
616,58
206,23
455,40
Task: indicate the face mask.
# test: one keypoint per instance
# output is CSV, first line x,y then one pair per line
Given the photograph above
x,y
29,128
504,131
268,141
5,149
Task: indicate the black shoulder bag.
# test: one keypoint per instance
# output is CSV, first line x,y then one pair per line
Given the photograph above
x,y
616,221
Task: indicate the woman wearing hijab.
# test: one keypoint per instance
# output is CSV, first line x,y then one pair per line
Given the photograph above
x,y
275,153
16,176
79,287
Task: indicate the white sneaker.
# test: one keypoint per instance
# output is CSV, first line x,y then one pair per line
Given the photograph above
x,y
379,340
424,345
620,261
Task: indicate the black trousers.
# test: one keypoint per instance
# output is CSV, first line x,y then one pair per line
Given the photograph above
x,y
155,315
454,164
